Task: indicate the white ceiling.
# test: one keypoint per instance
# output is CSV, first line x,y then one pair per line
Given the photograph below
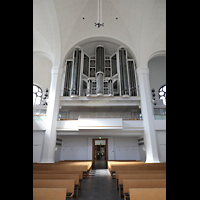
x,y
58,26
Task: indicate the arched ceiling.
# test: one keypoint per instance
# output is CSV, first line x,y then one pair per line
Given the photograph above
x,y
58,25
142,22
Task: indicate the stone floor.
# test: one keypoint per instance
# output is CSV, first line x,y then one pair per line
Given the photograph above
x,y
99,186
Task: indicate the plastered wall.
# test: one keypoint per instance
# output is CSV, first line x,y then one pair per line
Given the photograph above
x,y
37,145
157,73
80,148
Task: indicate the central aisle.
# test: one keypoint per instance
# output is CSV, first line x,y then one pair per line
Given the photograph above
x,y
99,186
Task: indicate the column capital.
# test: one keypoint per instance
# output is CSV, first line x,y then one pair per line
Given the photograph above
x,y
142,70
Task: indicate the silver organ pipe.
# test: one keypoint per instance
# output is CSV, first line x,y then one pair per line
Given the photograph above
x,y
132,79
76,73
89,87
99,69
67,83
100,59
110,87
123,72
99,83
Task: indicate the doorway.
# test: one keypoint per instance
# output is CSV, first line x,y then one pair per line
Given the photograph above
x,y
99,153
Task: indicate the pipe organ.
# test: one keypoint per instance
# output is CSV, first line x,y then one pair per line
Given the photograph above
x,y
75,78
100,74
99,69
123,73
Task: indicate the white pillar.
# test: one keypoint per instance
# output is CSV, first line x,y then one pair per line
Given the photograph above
x,y
49,143
148,117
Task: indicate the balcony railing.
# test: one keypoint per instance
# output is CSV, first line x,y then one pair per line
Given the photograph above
x,y
67,115
39,112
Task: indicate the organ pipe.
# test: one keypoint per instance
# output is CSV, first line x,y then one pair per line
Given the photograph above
x,y
132,79
89,87
99,83
76,73
99,69
123,72
110,87
67,79
100,59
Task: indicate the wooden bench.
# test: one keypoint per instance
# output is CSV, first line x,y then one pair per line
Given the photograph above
x,y
49,193
121,177
147,193
142,183
141,166
53,183
80,173
137,172
60,176
66,166
122,163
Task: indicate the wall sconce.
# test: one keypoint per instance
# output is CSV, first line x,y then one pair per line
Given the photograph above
x,y
45,98
153,96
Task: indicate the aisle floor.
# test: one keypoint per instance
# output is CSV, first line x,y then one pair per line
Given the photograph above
x,y
99,186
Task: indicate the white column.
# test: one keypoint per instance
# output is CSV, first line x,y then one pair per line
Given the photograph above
x,y
148,117
49,143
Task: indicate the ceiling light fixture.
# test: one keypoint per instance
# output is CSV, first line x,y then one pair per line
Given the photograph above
x,y
99,14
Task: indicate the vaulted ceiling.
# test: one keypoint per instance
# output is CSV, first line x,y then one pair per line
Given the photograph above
x,y
59,25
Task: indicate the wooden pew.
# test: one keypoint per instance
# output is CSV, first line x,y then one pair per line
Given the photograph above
x,y
137,172
147,193
144,166
138,166
122,163
49,193
85,168
142,183
122,177
60,176
80,173
53,183
141,166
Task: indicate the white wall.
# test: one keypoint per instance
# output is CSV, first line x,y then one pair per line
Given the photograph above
x,y
157,73
57,153
37,145
80,148
161,144
74,148
142,153
126,148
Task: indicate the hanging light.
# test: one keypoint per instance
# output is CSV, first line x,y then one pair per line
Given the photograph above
x,y
99,14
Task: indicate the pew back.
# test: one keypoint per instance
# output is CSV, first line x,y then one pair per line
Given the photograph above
x,y
143,183
141,166
121,177
59,167
80,173
53,183
49,193
147,193
139,172
57,176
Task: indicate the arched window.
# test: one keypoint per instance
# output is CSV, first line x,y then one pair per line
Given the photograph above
x,y
162,93
37,95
